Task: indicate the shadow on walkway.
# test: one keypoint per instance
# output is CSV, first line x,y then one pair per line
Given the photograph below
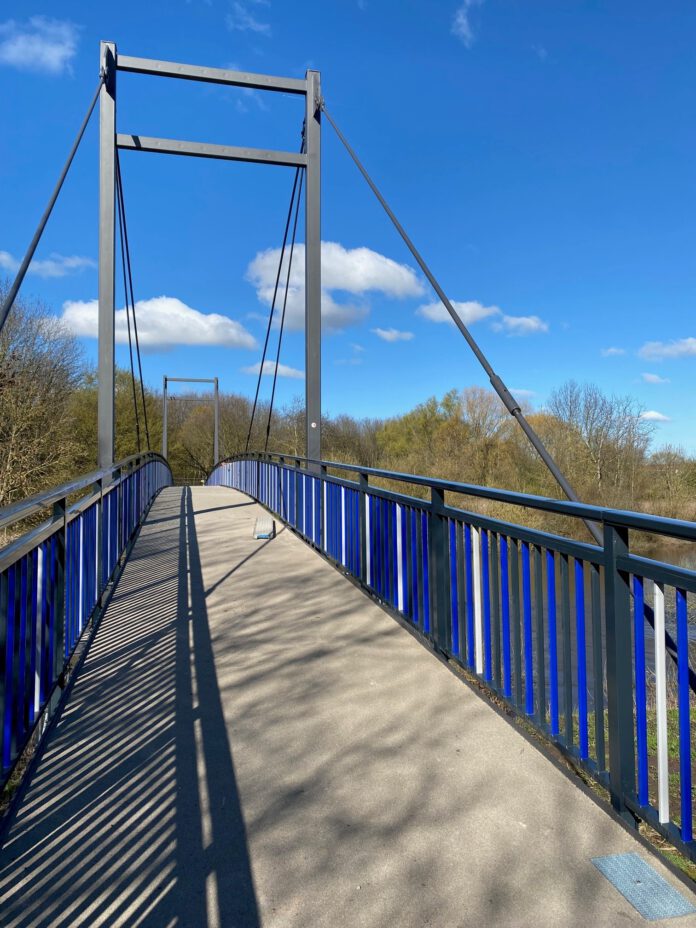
x,y
132,816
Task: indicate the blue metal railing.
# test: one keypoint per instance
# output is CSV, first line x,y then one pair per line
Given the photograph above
x,y
53,579
561,630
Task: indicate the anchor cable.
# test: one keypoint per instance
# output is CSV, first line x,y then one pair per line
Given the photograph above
x,y
26,261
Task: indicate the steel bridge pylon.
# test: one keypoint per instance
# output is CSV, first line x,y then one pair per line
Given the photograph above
x,y
309,160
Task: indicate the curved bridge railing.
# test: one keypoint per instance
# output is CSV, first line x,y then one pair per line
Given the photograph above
x,y
562,631
54,579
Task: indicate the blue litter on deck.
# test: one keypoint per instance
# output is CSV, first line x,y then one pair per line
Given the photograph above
x,y
643,886
264,527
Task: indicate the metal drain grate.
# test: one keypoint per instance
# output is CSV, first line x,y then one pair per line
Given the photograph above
x,y
643,886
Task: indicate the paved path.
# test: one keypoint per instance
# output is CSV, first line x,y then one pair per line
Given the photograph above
x,y
252,742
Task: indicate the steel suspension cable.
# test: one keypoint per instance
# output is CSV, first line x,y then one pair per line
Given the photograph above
x,y
509,401
125,294
26,261
282,318
275,295
132,300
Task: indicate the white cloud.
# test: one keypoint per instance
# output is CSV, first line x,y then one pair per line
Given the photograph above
x,y
612,352
472,311
269,369
461,24
41,44
163,322
651,415
657,351
654,378
357,347
357,271
393,335
469,311
54,266
242,20
522,394
520,325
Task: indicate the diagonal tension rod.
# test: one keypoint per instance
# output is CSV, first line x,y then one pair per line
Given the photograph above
x,y
26,261
508,399
511,404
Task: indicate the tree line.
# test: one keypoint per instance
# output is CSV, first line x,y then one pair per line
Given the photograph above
x,y
48,432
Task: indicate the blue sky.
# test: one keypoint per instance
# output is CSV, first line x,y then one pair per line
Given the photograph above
x,y
539,153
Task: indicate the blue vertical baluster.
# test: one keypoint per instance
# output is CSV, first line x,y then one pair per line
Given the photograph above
x,y
505,604
426,577
641,694
528,646
454,592
35,619
468,557
395,557
405,579
379,531
485,582
22,715
375,525
386,563
414,568
45,620
386,532
9,580
684,716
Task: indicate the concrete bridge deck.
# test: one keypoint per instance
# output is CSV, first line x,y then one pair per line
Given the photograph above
x,y
251,741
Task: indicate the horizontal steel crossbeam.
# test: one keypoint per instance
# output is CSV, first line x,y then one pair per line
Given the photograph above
x,y
190,379
194,72
206,150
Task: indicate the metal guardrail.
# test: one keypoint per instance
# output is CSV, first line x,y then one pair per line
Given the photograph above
x,y
556,627
53,579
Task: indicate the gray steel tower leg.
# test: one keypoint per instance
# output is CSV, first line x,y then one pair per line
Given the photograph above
x,y
313,267
107,160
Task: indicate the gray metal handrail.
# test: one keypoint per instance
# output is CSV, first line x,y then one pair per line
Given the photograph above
x,y
674,528
15,512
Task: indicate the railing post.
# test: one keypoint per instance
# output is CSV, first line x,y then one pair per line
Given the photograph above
x,y
99,532
622,765
323,514
216,427
440,605
61,536
363,483
297,494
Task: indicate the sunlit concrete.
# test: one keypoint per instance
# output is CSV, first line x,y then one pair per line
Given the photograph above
x,y
252,741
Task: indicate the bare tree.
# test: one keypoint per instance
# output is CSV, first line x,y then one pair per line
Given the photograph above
x,y
40,368
601,439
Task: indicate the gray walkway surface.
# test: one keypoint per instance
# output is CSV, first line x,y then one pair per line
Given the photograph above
x,y
251,741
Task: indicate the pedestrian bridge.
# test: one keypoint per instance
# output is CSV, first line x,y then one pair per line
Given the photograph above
x,y
254,735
